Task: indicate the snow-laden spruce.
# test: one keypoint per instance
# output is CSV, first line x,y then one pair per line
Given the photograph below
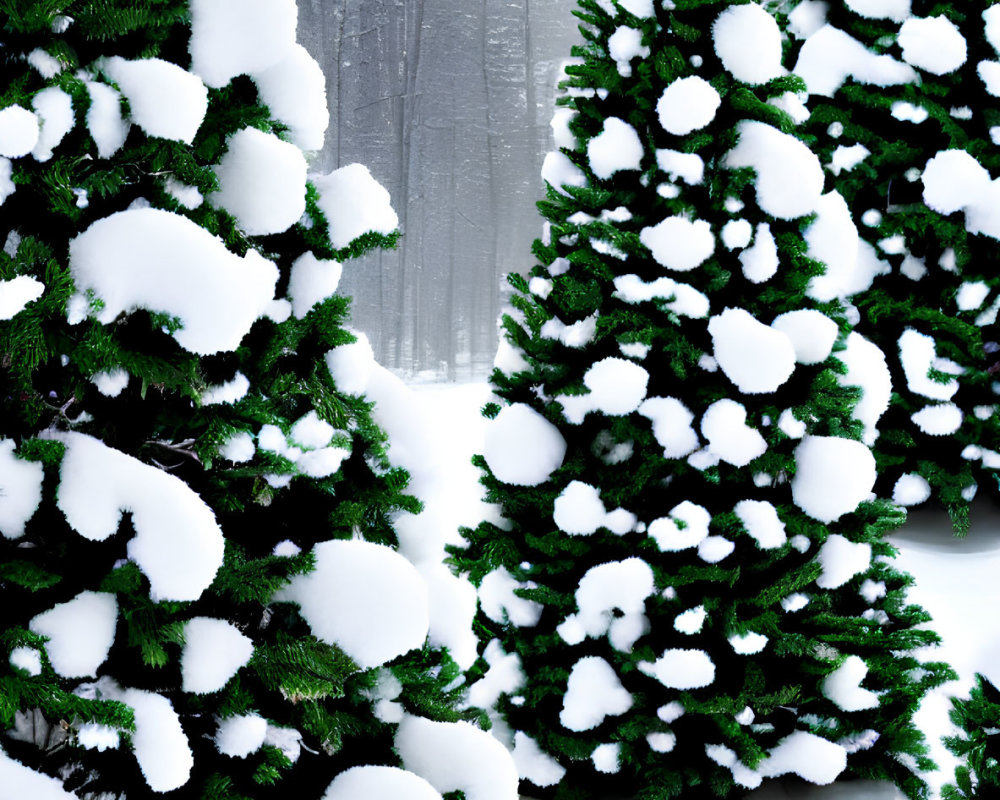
x,y
688,587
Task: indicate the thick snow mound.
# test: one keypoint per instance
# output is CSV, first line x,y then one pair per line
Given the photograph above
x,y
365,598
671,425
789,175
933,44
687,104
164,99
16,293
812,334
841,560
830,56
354,203
760,518
679,243
748,42
755,357
18,132
917,354
843,686
156,260
619,585
455,756
617,147
178,544
954,180
558,171
593,693
724,425
214,651
20,490
534,764
55,111
832,238
20,781
681,669
105,122
866,369
80,633
617,387
294,90
680,298
807,755
832,476
896,10
379,783
262,182
239,737
521,447
239,37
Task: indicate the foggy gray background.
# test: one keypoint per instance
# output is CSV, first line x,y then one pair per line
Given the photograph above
x,y
448,103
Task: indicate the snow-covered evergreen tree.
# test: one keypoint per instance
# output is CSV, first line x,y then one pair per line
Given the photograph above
x,y
902,109
693,592
978,717
201,588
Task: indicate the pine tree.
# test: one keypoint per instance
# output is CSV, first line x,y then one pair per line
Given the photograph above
x,y
978,776
199,574
907,132
692,591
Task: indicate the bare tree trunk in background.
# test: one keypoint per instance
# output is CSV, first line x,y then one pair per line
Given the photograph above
x,y
448,103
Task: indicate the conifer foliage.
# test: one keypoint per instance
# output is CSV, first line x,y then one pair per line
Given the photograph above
x,y
907,128
978,717
693,593
199,578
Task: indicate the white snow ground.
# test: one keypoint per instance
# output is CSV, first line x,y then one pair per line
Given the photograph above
x,y
955,578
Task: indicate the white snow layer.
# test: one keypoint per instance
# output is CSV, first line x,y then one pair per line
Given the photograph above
x,y
351,365
164,99
760,518
178,544
521,447
678,243
681,669
789,175
18,132
812,334
262,182
671,425
294,90
842,560
729,437
232,391
311,282
896,10
624,45
20,781
615,148
534,764
455,756
80,633
379,783
111,383
240,736
832,476
933,44
843,686
558,171
214,651
617,387
28,659
830,56
55,112
619,585
680,298
755,357
593,693
499,602
866,369
164,262
20,490
687,104
953,181
105,122
239,37
760,262
911,489
365,598
578,511
7,185
747,40
685,526
354,203
688,167
851,263
917,355
807,755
